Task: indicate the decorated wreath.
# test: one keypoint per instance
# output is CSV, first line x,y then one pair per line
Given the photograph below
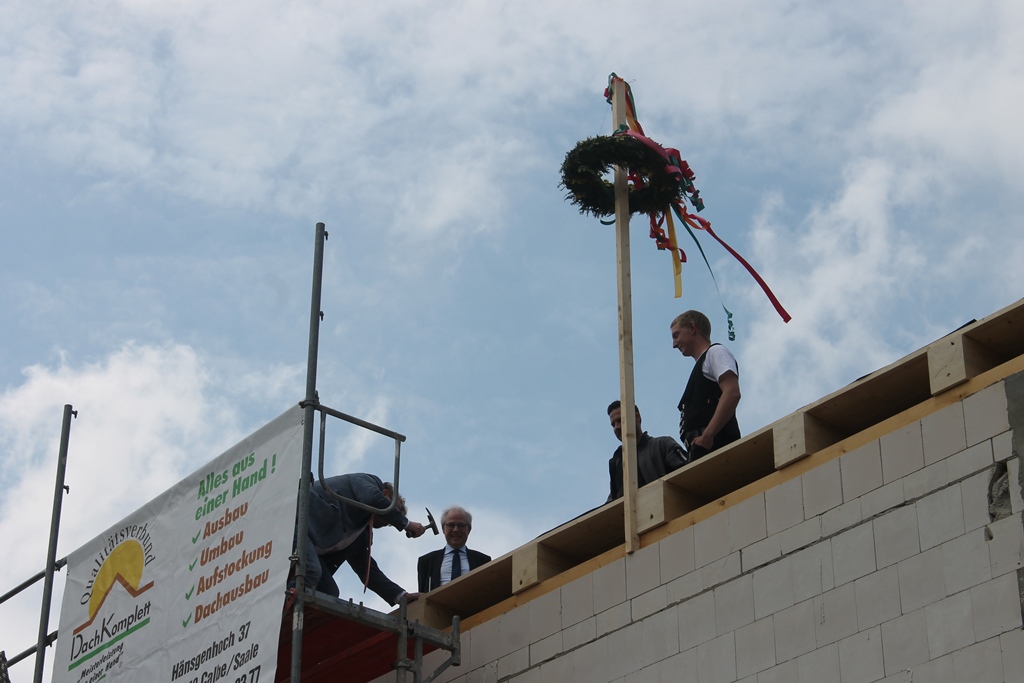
x,y
659,181
651,191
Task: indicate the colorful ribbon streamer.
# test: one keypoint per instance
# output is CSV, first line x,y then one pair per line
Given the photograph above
x,y
677,168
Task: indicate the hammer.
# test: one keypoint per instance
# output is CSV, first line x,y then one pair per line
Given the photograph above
x,y
432,525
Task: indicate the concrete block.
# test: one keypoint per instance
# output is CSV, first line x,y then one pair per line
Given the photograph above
x,y
979,663
950,624
486,647
801,535
881,499
560,669
592,662
650,602
965,562
734,604
878,598
528,676
613,618
696,621
514,630
861,470
970,460
936,671
820,666
680,667
835,615
996,606
609,585
822,489
943,433
643,571
1006,545
896,536
545,614
711,540
853,554
860,657
784,505
1011,644
747,523
843,517
1002,446
512,664
722,570
920,581
629,639
757,554
677,555
716,660
1016,494
812,571
786,672
755,647
985,413
488,673
773,588
940,517
577,600
794,631
684,587
926,480
902,452
659,637
579,633
905,642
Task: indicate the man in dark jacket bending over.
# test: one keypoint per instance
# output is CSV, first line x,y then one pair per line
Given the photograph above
x,y
340,533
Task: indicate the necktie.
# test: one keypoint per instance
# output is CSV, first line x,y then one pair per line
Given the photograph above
x,y
456,563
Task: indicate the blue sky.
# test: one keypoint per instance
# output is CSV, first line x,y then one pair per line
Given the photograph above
x,y
164,165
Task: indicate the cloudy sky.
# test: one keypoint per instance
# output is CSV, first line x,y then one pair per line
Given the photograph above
x,y
163,166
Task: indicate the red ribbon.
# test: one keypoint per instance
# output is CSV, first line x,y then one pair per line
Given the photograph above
x,y
701,224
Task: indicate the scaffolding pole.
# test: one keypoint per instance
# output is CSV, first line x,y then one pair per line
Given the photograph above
x,y
309,405
51,552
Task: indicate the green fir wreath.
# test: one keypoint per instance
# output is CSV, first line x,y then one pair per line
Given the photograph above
x,y
586,164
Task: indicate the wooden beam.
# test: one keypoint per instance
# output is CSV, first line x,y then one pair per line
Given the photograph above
x,y
535,562
627,399
956,359
430,613
660,502
798,435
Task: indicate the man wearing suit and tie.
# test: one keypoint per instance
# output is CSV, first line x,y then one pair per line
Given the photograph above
x,y
454,559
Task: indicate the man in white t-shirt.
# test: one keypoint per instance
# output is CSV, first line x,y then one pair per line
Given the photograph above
x,y
707,410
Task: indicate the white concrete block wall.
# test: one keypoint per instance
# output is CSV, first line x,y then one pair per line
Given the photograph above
x,y
880,565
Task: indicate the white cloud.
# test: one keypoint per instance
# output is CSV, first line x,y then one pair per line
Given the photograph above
x,y
147,415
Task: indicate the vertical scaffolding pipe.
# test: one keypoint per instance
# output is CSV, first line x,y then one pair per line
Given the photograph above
x,y
309,406
51,550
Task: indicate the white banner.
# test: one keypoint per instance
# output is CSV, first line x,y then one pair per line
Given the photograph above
x,y
190,588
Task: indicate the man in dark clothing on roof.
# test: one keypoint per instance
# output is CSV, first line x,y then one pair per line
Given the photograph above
x,y
707,410
340,533
656,456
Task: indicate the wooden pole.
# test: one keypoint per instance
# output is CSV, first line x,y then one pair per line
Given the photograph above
x,y
627,400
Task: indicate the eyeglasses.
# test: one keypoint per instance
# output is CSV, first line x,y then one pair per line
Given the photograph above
x,y
455,525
